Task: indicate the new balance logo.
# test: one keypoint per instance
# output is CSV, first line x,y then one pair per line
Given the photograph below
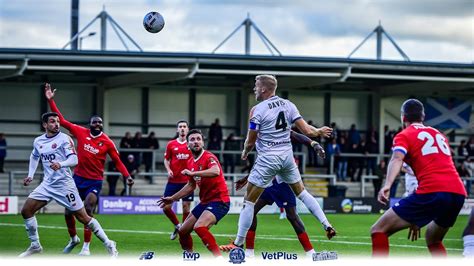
x,y
191,256
147,255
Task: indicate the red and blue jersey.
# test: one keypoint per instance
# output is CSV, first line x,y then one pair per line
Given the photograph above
x,y
178,154
428,153
211,189
91,150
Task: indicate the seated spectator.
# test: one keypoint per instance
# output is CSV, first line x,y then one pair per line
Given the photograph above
x,y
112,179
151,142
230,144
125,143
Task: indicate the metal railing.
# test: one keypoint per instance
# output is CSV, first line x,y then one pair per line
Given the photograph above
x,y
234,177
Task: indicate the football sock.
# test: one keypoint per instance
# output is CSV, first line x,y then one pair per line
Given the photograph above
x,y
208,240
86,245
304,240
185,215
71,225
94,225
250,240
380,246
468,246
186,242
87,234
313,206
437,250
245,221
31,226
171,215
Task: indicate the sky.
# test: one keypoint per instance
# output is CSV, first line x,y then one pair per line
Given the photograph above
x,y
426,30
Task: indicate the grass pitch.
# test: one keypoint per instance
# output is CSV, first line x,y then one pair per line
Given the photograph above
x,y
136,234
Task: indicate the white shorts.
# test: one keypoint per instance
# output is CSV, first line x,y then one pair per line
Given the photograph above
x,y
66,195
266,167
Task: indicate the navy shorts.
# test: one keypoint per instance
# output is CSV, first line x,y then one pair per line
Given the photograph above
x,y
172,188
86,186
218,208
281,194
420,209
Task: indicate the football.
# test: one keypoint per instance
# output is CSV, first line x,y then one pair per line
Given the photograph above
x,y
153,22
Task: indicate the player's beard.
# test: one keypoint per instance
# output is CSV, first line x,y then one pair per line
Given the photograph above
x,y
95,130
196,151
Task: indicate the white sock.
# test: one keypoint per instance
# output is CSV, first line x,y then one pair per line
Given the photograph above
x,y
310,253
31,226
94,225
313,206
245,221
468,246
86,245
250,252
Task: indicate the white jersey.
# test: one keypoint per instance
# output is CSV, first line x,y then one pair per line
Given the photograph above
x,y
54,149
272,119
411,183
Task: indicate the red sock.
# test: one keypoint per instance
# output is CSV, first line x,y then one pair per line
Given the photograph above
x,y
250,239
304,240
437,250
282,210
208,240
186,242
71,225
171,215
380,245
87,234
185,215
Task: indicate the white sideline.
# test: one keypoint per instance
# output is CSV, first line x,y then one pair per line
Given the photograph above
x,y
269,237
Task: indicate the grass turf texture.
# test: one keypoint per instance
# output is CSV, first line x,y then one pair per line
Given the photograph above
x,y
135,234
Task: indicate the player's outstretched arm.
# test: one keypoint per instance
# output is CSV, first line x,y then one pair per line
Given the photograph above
x,y
186,190
311,131
49,94
210,172
393,169
308,142
114,155
34,161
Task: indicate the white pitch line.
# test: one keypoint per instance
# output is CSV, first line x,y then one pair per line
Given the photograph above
x,y
267,237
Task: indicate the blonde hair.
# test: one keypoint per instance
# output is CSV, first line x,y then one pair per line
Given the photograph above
x,y
268,81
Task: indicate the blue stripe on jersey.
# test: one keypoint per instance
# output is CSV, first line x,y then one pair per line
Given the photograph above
x,y
400,150
252,126
294,120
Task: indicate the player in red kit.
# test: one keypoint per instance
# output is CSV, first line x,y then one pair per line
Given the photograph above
x,y
440,194
93,145
205,171
177,155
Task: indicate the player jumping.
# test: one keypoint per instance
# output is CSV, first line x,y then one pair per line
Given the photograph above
x,y
57,154
205,171
176,157
269,132
440,194
93,145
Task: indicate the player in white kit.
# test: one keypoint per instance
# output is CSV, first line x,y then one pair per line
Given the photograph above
x,y
269,131
411,183
56,152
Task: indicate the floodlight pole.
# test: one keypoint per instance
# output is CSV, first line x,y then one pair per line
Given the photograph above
x,y
248,27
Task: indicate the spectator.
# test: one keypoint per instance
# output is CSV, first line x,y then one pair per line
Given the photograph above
x,y
215,136
336,133
230,144
470,146
112,179
388,140
353,162
380,172
372,148
132,168
333,151
342,164
312,157
462,151
464,171
354,136
362,160
3,151
137,143
151,142
125,143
